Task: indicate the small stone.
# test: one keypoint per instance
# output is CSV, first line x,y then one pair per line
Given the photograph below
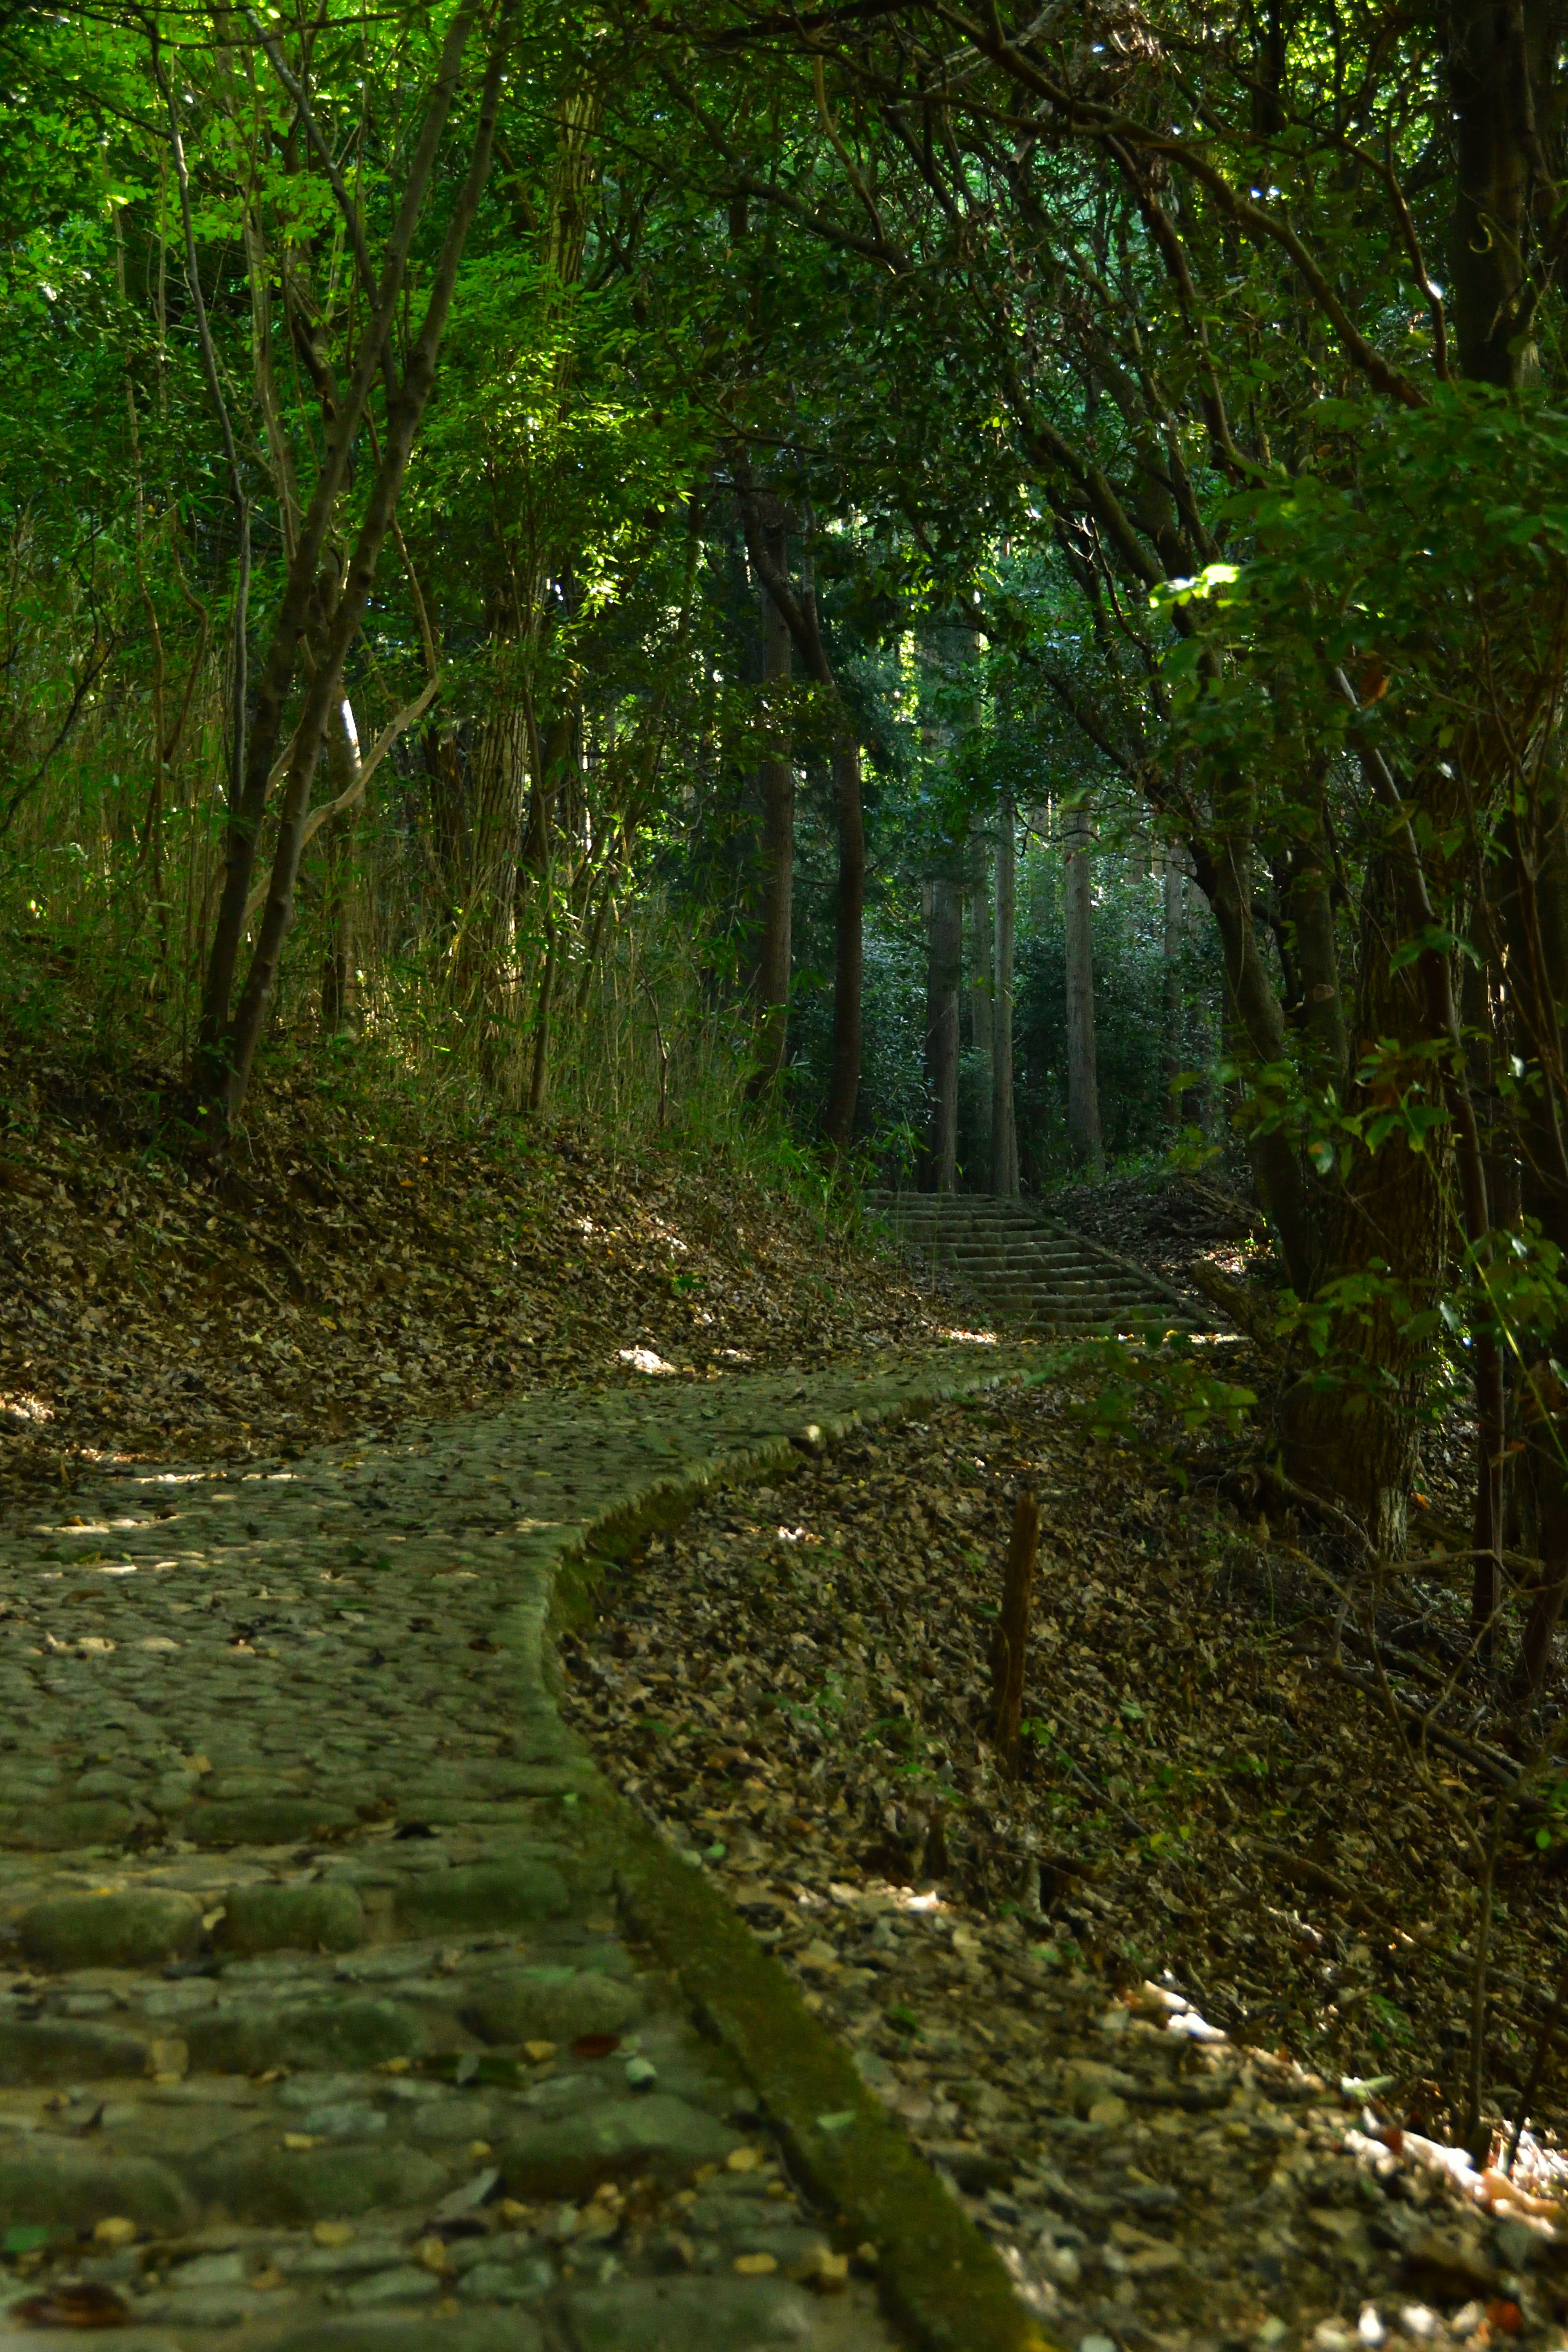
x,y
114,2231
138,1928
62,2050
55,2185
265,1821
255,2186
352,2034
653,2132
510,2283
408,2284
265,1918
553,2005
481,1895
62,1829
476,2332
699,2315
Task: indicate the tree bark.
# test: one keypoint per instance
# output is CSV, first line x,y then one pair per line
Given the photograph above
x,y
1174,943
848,920
1494,55
1350,1424
798,607
219,1084
1004,1121
1084,1136
776,778
339,989
945,965
402,424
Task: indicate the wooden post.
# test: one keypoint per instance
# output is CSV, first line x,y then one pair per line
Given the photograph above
x,y
1013,1633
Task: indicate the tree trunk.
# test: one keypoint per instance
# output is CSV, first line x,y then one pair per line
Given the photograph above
x,y
1494,59
980,956
499,804
844,1085
339,989
1084,1136
1175,897
945,971
1350,1424
239,1046
1004,1123
798,607
776,778
220,1084
1254,1030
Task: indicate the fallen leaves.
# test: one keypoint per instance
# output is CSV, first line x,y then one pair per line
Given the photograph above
x,y
347,1276
1064,1981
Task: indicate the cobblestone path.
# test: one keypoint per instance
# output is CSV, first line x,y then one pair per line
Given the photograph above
x,y
315,2014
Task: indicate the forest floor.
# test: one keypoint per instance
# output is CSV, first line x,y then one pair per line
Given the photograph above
x,y
347,1277
1182,2010
1210,1835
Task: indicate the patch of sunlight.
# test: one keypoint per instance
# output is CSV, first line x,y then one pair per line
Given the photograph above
x,y
971,1338
24,1406
644,1360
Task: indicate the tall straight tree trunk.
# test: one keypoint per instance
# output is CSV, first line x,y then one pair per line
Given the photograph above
x,y
944,972
848,949
798,607
1004,1122
775,778
1175,896
1084,1134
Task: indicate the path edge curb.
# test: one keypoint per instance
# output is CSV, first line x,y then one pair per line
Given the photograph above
x,y
940,2279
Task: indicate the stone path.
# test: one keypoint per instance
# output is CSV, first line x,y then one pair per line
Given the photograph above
x,y
316,2014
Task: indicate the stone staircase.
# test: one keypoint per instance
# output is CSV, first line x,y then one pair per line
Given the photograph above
x,y
1028,1270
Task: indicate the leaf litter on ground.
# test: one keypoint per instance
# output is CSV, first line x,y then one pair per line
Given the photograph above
x,y
1180,2009
346,1277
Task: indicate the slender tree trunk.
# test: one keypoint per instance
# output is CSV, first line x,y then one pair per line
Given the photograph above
x,y
1175,898
980,955
402,424
499,809
799,609
844,1084
1004,1123
1084,1134
1254,1028
944,966
775,777
256,737
339,989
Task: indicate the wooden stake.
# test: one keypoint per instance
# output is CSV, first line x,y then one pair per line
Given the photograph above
x,y
1013,1633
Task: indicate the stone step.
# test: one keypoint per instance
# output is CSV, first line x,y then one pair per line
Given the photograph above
x,y
1016,1263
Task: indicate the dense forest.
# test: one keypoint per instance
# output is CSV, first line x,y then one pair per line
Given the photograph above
x,y
965,600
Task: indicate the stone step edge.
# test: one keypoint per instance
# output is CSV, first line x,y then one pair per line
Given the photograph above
x,y
939,2280
1207,1318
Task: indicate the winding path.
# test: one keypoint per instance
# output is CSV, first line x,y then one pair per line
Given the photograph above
x,y
316,2012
